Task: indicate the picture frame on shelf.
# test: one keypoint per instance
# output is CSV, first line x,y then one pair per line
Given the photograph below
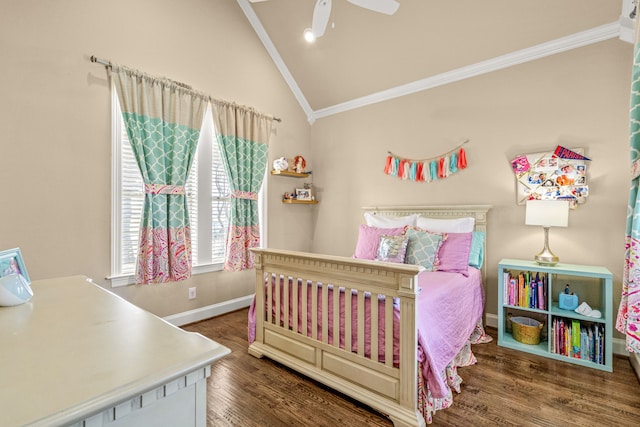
x,y
303,194
11,262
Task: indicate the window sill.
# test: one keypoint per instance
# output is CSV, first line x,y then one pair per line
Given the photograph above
x,y
126,280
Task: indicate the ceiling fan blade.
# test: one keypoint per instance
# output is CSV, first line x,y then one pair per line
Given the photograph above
x,y
321,14
388,7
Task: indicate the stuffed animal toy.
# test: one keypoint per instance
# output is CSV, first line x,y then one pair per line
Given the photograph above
x,y
280,164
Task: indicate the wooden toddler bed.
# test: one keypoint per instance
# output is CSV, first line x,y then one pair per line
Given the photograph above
x,y
330,328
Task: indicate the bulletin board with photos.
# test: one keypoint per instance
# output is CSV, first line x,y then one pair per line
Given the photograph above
x,y
554,175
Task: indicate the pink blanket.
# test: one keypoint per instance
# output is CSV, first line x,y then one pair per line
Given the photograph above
x,y
449,307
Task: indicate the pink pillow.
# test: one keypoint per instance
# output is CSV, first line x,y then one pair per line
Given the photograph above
x,y
454,253
369,239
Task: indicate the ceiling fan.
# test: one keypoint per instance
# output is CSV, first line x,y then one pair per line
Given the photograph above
x,y
322,12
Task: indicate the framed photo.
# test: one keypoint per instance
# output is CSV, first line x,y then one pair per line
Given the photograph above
x,y
11,262
303,193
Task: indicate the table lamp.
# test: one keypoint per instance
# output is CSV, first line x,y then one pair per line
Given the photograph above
x,y
547,213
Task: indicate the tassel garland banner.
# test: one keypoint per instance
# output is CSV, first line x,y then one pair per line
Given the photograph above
x,y
427,170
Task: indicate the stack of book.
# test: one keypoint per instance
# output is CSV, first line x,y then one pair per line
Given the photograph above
x,y
526,289
571,338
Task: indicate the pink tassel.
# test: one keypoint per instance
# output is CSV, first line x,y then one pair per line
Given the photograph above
x,y
388,166
419,172
462,159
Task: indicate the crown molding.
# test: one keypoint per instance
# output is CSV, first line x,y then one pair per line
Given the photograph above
x,y
584,38
563,44
627,31
275,56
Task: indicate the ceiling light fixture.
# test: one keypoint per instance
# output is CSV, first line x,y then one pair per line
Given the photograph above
x,y
309,36
322,12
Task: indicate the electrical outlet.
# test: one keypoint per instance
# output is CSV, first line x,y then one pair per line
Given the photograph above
x,y
192,293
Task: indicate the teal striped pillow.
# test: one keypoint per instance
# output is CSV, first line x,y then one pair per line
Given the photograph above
x,y
423,247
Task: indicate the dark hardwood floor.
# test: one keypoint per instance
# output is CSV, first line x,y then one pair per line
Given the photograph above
x,y
505,387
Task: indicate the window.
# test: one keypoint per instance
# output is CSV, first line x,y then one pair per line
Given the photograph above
x,y
208,200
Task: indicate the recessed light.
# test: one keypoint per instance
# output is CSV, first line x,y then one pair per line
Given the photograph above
x,y
308,35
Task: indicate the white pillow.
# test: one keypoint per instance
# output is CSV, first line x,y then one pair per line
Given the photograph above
x,y
458,225
382,221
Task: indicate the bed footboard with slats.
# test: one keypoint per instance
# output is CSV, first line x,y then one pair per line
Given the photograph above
x,y
342,348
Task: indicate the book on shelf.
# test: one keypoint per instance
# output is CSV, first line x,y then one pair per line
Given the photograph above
x,y
577,339
525,289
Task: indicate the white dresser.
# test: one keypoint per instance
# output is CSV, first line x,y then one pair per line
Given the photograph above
x,y
78,355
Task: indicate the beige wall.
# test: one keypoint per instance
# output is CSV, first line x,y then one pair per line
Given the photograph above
x,y
55,127
576,99
56,136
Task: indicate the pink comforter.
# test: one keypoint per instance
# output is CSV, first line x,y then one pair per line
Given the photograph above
x,y
449,307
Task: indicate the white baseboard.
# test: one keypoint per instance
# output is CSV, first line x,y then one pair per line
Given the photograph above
x,y
491,320
617,345
202,313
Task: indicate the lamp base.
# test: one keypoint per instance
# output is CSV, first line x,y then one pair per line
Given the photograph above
x,y
545,256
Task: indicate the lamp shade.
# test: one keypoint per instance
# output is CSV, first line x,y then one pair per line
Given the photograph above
x,y
547,213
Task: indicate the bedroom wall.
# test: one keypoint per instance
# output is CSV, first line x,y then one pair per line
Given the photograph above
x,y
578,98
55,129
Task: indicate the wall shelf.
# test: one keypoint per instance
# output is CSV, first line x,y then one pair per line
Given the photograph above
x,y
290,174
300,202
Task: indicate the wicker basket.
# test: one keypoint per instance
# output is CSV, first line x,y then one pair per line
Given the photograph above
x,y
526,330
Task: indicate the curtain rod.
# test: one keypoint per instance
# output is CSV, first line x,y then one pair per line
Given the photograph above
x,y
108,64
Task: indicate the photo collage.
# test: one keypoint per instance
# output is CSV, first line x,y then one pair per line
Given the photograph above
x,y
558,175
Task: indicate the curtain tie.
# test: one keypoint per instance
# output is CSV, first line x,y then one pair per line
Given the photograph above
x,y
249,195
163,189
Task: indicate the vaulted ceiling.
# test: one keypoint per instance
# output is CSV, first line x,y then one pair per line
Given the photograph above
x,y
367,57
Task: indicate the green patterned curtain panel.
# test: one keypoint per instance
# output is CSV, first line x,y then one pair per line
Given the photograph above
x,y
628,321
163,121
243,137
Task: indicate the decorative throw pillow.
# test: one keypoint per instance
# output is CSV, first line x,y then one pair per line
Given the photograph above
x,y
476,254
383,221
423,247
392,248
457,225
454,253
369,239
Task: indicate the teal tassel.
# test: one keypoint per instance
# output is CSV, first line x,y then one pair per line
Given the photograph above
x,y
412,172
396,164
433,170
453,164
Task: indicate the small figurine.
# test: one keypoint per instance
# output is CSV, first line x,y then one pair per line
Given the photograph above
x,y
300,164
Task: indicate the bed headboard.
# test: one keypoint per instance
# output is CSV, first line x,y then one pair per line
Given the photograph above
x,y
479,212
